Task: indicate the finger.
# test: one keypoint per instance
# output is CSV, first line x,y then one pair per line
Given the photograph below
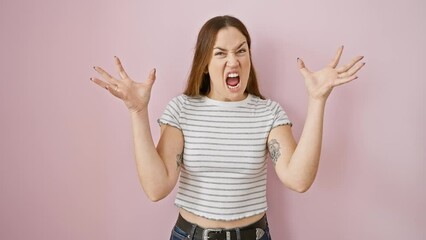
x,y
120,68
352,70
151,77
99,82
305,71
114,90
106,75
336,59
107,86
344,80
349,65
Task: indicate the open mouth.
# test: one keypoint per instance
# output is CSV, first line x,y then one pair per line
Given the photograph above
x,y
233,80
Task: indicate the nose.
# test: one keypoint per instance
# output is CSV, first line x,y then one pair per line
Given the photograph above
x,y
232,61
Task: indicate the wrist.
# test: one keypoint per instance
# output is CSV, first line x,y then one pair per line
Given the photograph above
x,y
138,112
317,101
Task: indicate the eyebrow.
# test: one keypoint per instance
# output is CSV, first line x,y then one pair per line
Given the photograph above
x,y
239,46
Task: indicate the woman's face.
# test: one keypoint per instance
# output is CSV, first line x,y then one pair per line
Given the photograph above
x,y
229,66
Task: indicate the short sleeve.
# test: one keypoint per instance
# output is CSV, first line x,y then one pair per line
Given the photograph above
x,y
171,115
280,116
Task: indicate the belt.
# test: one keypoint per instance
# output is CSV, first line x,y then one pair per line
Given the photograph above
x,y
251,232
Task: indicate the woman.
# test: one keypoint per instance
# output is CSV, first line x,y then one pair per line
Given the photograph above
x,y
215,136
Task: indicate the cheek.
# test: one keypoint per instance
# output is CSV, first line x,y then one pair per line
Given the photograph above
x,y
246,64
216,69
215,73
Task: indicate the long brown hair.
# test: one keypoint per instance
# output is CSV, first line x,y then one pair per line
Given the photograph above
x,y
199,80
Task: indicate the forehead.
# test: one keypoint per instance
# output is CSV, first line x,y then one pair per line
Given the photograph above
x,y
229,37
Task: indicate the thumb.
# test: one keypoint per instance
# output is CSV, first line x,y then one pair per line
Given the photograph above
x,y
302,68
151,77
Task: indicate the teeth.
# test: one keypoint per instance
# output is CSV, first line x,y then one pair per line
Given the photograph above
x,y
232,75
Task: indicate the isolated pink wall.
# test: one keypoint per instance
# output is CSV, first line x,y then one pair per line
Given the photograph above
x,y
66,161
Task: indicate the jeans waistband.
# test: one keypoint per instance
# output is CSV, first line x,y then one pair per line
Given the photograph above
x,y
253,231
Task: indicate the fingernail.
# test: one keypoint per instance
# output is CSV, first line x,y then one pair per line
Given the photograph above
x,y
298,59
91,79
94,67
155,70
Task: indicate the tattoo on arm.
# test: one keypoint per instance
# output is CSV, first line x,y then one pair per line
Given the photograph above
x,y
179,160
274,150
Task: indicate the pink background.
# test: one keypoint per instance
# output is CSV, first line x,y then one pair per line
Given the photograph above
x,y
66,160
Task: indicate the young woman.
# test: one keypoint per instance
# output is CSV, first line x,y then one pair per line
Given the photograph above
x,y
214,137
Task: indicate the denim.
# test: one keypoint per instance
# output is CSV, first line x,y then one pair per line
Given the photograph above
x,y
179,234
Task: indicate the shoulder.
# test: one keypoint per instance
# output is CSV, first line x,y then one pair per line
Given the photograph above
x,y
184,99
178,101
183,103
267,104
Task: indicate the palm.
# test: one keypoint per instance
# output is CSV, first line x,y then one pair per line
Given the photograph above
x,y
321,83
135,95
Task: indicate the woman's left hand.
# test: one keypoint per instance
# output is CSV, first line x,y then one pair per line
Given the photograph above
x,y
321,83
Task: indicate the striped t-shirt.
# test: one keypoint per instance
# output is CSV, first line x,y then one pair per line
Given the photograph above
x,y
224,169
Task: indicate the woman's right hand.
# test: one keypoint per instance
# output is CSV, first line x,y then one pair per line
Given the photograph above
x,y
135,95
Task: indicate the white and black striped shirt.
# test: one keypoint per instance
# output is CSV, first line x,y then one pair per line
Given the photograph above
x,y
224,169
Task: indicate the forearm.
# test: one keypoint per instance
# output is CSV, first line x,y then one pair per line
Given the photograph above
x,y
304,162
298,165
151,168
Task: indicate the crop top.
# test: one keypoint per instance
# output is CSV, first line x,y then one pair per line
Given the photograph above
x,y
223,176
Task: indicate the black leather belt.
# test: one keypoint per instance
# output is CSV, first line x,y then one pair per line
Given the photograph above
x,y
251,232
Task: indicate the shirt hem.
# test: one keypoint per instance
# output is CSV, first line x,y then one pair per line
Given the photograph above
x,y
207,216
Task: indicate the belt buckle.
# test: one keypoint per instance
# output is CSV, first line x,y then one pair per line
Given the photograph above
x,y
259,233
208,230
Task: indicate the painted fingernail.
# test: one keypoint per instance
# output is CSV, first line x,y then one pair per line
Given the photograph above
x,y
91,79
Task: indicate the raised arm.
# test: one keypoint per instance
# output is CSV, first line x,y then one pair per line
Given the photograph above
x,y
158,168
297,164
